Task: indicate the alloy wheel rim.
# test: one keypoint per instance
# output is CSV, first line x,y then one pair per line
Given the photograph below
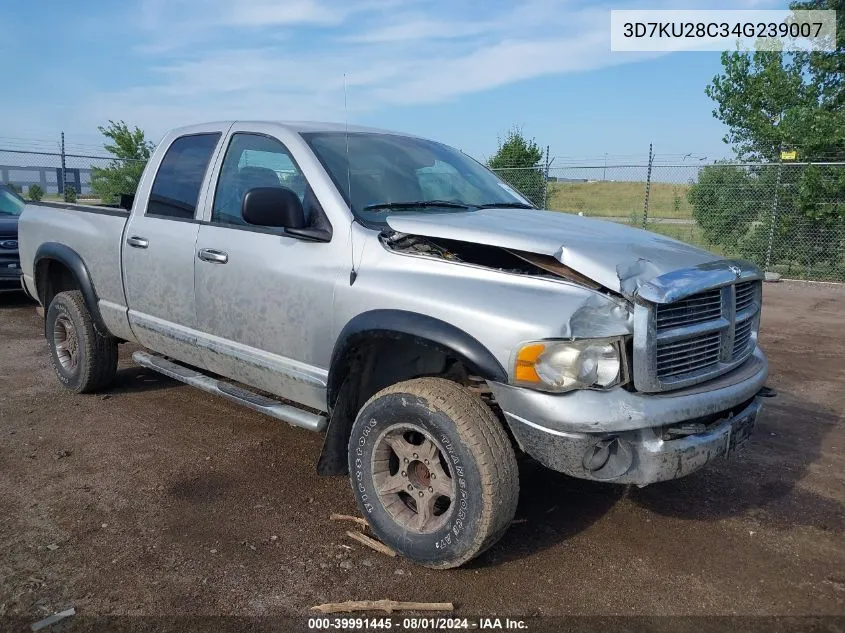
x,y
412,478
66,343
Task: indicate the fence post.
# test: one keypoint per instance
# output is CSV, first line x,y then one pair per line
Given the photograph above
x,y
546,181
648,184
62,184
774,215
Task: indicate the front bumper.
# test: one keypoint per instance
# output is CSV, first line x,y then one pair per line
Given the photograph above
x,y
635,457
10,273
573,433
10,283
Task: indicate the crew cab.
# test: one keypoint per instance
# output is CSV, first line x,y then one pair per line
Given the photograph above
x,y
393,293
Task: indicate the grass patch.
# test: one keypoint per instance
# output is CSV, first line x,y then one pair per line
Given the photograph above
x,y
689,233
620,199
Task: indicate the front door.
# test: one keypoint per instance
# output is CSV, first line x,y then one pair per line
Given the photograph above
x,y
158,251
264,299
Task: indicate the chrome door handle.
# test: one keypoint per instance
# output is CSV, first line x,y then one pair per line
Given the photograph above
x,y
212,256
138,242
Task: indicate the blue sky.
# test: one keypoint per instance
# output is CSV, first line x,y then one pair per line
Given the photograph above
x,y
460,71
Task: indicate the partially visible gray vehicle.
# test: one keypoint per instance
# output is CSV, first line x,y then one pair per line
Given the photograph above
x,y
11,206
395,294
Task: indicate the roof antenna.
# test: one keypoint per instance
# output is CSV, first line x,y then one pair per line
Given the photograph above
x,y
353,274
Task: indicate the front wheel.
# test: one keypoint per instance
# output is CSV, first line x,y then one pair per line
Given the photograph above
x,y
433,471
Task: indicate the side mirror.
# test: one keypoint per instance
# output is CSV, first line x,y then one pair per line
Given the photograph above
x,y
273,206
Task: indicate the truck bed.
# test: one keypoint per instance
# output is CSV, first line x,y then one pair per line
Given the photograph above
x,y
95,233
78,206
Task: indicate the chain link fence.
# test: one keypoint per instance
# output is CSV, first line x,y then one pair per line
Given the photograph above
x,y
53,173
789,218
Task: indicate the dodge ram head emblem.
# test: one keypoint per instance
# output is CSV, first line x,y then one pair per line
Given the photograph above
x,y
736,270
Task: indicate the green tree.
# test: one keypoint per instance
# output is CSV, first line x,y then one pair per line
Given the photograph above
x,y
35,193
131,152
517,162
826,74
725,201
772,101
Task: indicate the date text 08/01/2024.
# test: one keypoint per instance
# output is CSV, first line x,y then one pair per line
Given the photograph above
x,y
416,623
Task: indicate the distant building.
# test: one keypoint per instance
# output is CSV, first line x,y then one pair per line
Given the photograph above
x,y
48,178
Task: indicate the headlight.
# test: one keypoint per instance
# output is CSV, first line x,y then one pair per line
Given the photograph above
x,y
566,365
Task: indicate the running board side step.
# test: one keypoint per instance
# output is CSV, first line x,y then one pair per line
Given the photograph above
x,y
256,402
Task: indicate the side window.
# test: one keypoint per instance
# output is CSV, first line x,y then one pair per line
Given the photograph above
x,y
176,188
253,160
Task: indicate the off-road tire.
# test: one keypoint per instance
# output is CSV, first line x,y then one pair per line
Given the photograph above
x,y
480,457
96,361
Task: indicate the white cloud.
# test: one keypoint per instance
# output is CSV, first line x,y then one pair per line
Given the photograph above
x,y
407,28
269,13
286,60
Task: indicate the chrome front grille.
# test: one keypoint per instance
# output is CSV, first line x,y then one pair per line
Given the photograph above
x,y
681,357
742,336
745,294
695,338
696,309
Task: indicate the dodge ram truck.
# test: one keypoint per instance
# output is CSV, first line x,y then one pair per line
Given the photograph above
x,y
397,296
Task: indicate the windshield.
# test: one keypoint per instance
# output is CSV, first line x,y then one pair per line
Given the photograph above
x,y
10,202
388,173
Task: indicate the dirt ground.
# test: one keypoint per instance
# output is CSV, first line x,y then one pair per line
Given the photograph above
x,y
156,499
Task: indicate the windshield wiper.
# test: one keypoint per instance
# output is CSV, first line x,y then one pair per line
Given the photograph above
x,y
504,205
414,204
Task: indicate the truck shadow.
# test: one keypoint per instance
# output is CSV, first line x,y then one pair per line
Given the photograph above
x,y
15,300
553,507
138,379
762,482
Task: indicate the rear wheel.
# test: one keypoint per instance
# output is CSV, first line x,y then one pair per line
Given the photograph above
x,y
84,359
433,471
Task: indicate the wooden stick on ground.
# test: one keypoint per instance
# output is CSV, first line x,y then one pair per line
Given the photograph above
x,y
370,542
388,606
347,517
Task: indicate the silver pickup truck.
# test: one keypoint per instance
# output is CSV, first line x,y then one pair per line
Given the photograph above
x,y
396,295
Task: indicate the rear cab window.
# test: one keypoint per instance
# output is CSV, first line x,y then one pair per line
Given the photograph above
x,y
176,188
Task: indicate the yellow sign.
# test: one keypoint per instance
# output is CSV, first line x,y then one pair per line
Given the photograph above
x,y
790,155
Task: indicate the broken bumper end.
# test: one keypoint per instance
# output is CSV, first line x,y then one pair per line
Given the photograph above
x,y
639,457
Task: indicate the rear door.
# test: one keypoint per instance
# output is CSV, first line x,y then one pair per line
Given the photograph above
x,y
159,247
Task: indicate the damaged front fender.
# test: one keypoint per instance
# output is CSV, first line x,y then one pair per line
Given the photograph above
x,y
601,316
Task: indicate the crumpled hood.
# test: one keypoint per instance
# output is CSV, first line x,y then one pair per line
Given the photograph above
x,y
617,256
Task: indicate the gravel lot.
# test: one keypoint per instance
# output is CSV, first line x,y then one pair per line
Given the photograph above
x,y
156,499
